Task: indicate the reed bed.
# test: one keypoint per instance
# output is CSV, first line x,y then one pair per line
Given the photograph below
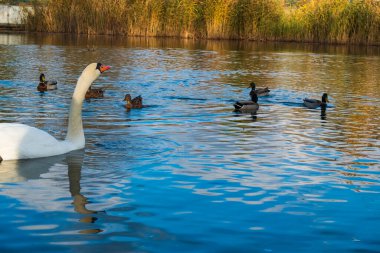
x,y
326,21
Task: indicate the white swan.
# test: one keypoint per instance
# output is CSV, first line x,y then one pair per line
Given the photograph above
x,y
19,141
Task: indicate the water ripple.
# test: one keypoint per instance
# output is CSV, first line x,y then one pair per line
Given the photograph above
x,y
186,170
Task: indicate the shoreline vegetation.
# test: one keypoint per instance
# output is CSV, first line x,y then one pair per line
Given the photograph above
x,y
320,21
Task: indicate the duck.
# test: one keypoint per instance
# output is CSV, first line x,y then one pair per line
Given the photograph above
x,y
94,93
315,103
20,141
135,103
259,91
46,85
248,106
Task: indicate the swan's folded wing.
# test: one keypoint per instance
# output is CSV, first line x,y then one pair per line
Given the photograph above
x,y
18,141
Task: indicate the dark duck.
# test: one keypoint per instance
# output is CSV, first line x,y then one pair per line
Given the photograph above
x,y
248,106
46,85
315,103
259,91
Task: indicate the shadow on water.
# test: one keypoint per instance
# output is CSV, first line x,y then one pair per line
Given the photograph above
x,y
31,169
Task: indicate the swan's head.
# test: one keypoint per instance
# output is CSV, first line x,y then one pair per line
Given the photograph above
x,y
102,67
93,71
88,76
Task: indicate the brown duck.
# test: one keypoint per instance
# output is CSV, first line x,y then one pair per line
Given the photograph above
x,y
135,103
94,93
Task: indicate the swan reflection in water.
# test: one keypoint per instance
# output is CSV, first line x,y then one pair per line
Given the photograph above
x,y
44,175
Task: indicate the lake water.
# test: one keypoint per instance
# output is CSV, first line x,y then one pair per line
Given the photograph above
x,y
186,173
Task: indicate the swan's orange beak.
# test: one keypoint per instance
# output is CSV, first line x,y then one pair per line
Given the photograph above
x,y
104,68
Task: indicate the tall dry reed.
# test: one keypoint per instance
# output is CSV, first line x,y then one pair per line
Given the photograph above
x,y
330,21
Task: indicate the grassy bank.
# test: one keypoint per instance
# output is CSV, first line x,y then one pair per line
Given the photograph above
x,y
328,21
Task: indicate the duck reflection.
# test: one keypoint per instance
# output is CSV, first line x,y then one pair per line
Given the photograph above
x,y
323,112
31,170
252,116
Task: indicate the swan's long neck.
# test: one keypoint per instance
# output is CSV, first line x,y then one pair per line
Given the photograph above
x,y
75,134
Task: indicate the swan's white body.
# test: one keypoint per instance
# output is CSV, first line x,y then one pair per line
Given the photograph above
x,y
19,141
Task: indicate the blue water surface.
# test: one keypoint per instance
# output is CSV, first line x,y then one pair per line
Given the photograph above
x,y
186,173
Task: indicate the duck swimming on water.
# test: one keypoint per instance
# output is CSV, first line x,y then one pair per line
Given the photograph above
x,y
94,93
259,91
248,106
135,103
46,85
315,103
